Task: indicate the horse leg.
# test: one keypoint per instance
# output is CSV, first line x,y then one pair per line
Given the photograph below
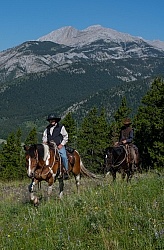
x,y
130,173
33,198
50,185
61,187
139,167
49,191
77,179
128,176
113,172
123,174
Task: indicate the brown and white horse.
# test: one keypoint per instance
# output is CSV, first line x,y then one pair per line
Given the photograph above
x,y
44,163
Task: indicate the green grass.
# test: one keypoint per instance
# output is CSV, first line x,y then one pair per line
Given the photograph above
x,y
106,215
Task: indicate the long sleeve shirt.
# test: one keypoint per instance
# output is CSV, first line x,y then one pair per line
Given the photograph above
x,y
63,132
126,134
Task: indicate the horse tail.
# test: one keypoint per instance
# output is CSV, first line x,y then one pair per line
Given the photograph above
x,y
86,172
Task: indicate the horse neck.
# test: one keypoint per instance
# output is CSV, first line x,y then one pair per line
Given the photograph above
x,y
119,159
54,155
41,162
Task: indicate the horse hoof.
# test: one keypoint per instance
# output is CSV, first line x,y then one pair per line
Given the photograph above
x,y
36,201
60,176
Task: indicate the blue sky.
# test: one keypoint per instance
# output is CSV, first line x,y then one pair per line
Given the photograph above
x,y
24,20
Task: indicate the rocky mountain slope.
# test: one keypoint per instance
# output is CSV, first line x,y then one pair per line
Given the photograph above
x,y
66,46
68,67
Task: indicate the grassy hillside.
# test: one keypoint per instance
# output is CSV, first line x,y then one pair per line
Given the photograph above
x,y
104,216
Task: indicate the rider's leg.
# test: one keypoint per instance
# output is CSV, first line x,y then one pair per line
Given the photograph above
x,y
134,159
63,155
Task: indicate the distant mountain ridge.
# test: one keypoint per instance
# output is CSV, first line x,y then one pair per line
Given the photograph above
x,y
72,70
66,46
70,36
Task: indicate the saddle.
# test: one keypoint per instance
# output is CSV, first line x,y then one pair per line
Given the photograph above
x,y
70,156
118,149
132,152
69,151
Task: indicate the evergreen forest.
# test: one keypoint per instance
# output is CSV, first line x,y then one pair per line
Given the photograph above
x,y
95,132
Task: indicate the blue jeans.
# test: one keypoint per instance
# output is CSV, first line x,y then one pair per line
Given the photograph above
x,y
63,155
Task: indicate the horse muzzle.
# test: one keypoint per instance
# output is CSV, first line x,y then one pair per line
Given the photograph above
x,y
30,174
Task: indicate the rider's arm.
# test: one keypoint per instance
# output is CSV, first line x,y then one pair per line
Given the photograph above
x,y
131,135
65,135
44,137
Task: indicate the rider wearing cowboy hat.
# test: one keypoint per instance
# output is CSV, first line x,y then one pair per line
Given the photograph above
x,y
57,133
126,133
126,138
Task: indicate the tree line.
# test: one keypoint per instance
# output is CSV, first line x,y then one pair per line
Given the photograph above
x,y
95,133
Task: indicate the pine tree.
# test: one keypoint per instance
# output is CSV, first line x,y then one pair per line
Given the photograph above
x,y
32,137
102,139
149,124
12,158
71,128
122,112
93,139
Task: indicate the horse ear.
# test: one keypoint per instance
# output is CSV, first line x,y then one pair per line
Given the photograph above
x,y
26,147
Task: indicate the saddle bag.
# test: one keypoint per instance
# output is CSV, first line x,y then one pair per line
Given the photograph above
x,y
69,149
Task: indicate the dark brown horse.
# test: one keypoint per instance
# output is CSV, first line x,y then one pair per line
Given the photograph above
x,y
44,163
120,159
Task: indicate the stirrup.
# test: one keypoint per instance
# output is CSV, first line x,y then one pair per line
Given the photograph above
x,y
60,175
66,176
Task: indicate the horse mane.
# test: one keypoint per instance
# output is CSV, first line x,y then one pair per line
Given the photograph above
x,y
40,149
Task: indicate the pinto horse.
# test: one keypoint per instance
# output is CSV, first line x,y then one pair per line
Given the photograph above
x,y
117,159
44,163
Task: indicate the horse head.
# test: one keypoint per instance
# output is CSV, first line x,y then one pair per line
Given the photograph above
x,y
31,155
108,159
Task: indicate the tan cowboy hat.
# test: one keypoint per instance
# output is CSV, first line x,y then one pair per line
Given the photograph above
x,y
127,121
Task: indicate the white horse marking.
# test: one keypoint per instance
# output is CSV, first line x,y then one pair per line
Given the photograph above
x,y
29,167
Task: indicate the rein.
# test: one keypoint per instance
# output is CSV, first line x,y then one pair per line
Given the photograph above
x,y
51,166
117,165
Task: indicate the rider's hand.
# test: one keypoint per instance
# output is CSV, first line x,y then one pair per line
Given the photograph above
x,y
124,141
60,146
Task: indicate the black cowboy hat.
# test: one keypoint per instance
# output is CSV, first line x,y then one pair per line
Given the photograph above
x,y
127,121
53,117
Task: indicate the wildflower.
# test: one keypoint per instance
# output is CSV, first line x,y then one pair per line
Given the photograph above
x,y
130,209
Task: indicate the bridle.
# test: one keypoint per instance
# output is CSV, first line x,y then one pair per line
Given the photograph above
x,y
113,162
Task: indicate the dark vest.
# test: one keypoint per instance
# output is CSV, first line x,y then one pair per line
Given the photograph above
x,y
125,131
56,135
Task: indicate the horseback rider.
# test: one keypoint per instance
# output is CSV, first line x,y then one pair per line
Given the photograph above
x,y
126,138
57,133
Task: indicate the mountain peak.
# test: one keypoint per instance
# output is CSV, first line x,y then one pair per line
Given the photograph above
x,y
63,35
70,36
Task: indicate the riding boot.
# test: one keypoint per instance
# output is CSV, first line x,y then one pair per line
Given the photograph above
x,y
66,175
